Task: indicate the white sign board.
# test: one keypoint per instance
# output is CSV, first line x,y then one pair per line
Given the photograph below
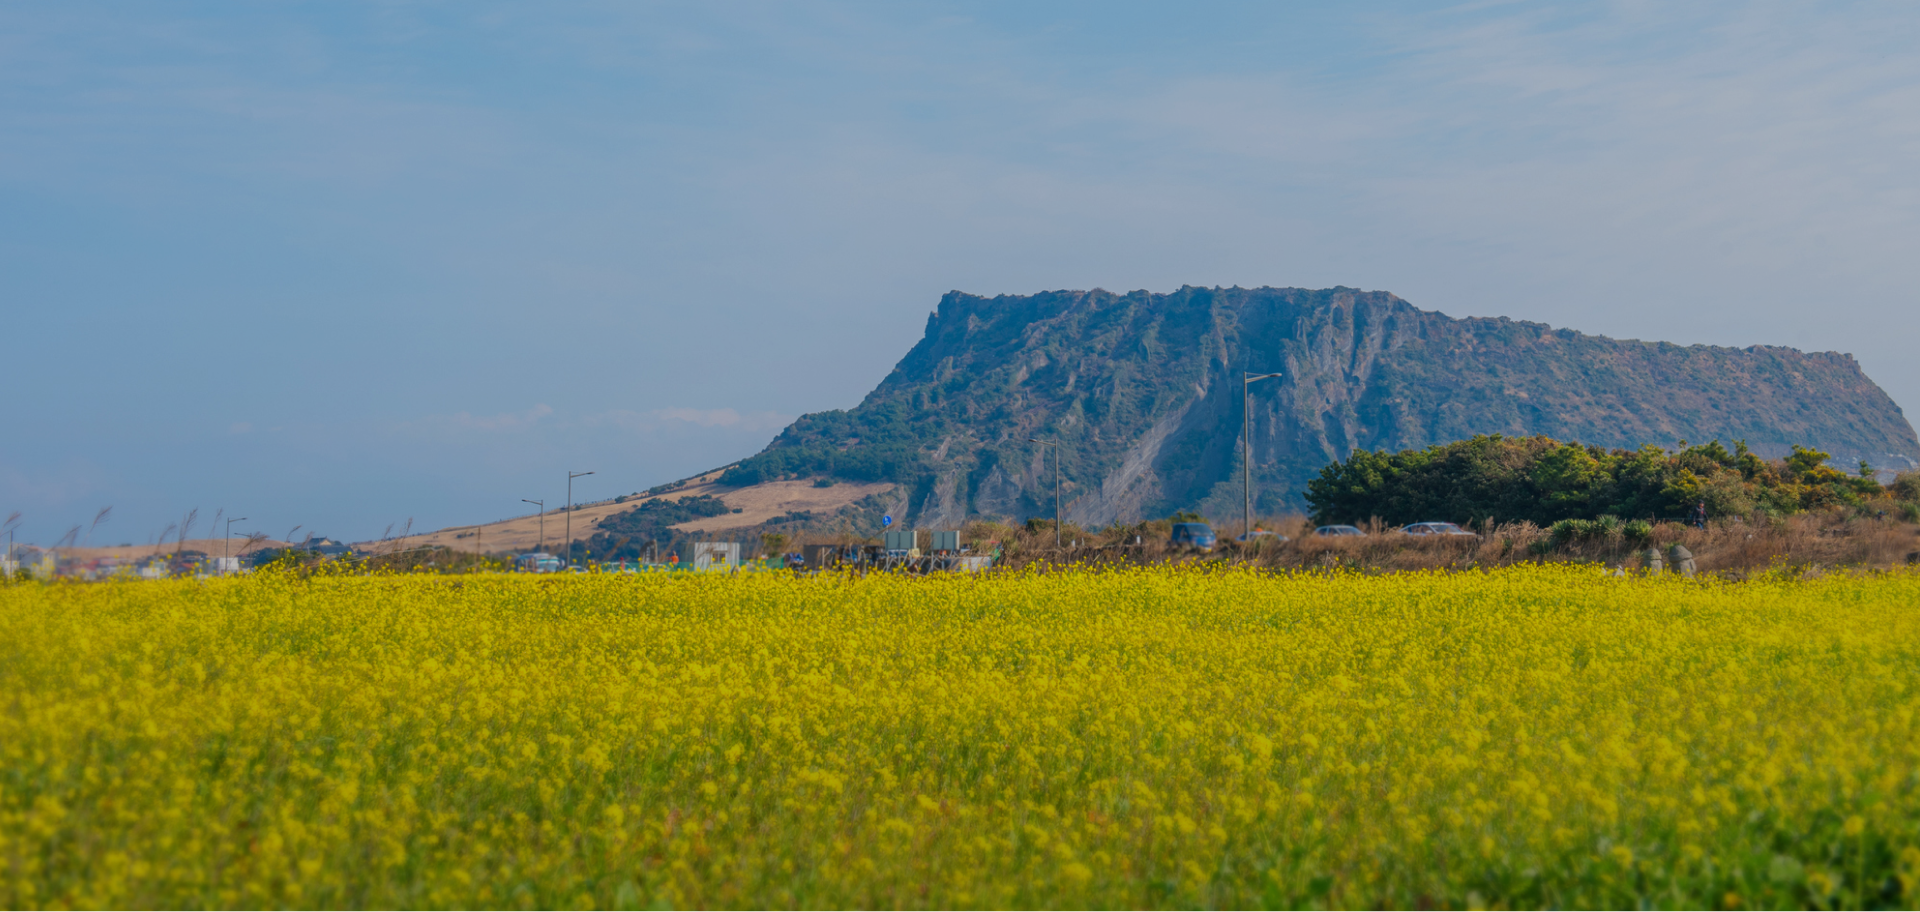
x,y
715,555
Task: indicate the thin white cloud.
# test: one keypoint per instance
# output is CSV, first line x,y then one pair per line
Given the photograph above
x,y
503,421
543,417
705,418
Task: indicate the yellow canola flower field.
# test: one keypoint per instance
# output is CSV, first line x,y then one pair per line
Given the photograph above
x,y
1533,736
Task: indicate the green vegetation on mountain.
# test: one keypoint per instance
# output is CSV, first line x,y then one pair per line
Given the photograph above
x,y
659,513
647,528
1142,393
1544,481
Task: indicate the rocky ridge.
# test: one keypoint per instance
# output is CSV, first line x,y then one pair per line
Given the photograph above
x,y
1142,392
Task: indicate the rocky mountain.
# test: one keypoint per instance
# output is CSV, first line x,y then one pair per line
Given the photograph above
x,y
1142,393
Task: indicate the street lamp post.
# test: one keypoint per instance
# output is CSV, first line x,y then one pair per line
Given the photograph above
x,y
569,546
1246,462
542,546
226,549
1056,487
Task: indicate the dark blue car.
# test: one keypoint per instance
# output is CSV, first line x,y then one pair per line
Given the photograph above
x,y
1193,535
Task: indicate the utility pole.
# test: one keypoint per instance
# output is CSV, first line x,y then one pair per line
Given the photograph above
x,y
569,546
226,548
1056,487
1246,463
542,546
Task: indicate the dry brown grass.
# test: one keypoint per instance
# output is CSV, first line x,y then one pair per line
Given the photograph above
x,y
1809,543
213,546
524,533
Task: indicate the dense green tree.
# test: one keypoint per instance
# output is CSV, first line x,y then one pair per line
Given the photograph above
x,y
1543,480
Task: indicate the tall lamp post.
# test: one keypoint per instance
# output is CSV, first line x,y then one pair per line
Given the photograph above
x,y
1056,486
226,550
570,477
543,522
1246,433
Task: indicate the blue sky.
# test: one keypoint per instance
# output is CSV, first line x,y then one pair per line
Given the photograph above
x,y
345,264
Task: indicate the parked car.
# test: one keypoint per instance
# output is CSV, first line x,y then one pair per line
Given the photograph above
x,y
1338,530
1259,534
1195,535
1435,528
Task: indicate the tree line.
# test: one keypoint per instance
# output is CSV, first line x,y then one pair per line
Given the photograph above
x,y
1543,480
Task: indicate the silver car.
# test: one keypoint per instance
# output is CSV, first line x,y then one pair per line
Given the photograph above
x,y
1435,528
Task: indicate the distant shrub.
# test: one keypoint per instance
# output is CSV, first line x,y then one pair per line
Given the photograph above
x,y
824,482
1610,529
1906,486
1569,531
650,519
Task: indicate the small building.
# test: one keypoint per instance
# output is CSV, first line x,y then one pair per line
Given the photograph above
x,y
538,562
970,563
818,557
715,555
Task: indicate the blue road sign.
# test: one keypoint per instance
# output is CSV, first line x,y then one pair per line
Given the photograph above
x,y
886,520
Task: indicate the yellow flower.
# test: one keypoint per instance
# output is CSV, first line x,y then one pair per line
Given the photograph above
x,y
1200,736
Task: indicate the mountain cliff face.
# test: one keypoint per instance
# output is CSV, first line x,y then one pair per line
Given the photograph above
x,y
1142,392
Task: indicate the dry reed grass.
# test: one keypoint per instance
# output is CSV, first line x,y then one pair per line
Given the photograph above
x,y
1807,543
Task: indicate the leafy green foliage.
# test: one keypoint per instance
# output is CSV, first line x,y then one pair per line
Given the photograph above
x,y
1605,529
1906,487
646,529
1547,482
654,516
870,444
